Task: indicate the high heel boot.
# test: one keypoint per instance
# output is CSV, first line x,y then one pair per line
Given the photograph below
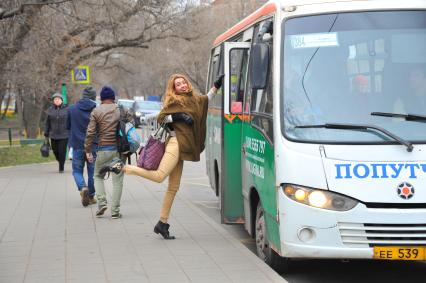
x,y
163,229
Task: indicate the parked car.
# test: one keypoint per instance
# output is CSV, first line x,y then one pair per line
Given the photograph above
x,y
127,103
142,108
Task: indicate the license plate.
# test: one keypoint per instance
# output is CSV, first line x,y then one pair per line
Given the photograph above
x,y
400,253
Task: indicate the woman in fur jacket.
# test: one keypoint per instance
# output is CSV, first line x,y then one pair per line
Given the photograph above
x,y
185,112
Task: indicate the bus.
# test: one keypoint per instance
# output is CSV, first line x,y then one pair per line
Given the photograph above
x,y
317,142
8,105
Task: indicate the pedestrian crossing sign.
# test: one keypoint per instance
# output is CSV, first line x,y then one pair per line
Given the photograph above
x,y
81,75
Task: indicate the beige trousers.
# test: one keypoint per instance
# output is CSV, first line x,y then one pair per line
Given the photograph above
x,y
170,166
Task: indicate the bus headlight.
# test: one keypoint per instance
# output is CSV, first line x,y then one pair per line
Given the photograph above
x,y
319,198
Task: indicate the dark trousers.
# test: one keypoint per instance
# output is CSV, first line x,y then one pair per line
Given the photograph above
x,y
59,148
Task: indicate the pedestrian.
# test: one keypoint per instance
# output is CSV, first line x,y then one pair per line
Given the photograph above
x,y
185,112
56,129
78,120
103,125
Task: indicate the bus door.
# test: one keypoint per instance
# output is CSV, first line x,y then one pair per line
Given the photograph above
x,y
236,62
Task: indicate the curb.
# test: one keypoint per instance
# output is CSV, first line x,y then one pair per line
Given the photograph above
x,y
266,269
26,165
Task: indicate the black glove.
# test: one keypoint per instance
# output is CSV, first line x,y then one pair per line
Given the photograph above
x,y
183,117
218,82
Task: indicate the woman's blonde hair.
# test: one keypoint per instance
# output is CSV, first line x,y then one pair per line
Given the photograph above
x,y
170,95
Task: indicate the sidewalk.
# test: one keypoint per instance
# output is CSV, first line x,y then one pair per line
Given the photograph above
x,y
47,236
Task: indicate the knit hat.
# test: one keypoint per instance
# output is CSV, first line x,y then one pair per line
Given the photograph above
x,y
90,93
57,95
107,93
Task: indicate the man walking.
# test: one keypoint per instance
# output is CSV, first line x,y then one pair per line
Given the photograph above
x,y
78,120
103,124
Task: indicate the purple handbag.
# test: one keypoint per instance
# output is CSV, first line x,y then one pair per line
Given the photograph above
x,y
151,154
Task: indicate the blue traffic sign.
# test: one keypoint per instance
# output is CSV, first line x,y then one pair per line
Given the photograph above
x,y
81,75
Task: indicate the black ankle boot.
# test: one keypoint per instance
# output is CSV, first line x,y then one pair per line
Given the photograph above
x,y
163,229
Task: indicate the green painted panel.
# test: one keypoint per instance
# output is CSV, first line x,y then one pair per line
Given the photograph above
x,y
232,200
259,172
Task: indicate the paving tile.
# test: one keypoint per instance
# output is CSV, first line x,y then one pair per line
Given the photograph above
x,y
11,279
249,276
96,268
86,279
189,261
238,265
130,280
169,277
123,275
206,274
44,279
211,279
12,259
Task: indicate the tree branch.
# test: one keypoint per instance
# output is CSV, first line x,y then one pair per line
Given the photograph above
x,y
20,10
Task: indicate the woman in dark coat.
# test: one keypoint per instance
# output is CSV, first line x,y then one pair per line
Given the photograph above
x,y
56,129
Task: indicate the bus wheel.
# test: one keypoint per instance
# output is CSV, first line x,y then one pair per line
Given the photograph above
x,y
263,248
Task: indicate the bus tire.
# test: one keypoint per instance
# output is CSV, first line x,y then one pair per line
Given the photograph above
x,y
263,248
216,179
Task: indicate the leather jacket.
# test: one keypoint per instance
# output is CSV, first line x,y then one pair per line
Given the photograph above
x,y
103,124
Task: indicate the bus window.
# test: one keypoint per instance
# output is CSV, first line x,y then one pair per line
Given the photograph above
x,y
262,104
214,72
261,109
238,68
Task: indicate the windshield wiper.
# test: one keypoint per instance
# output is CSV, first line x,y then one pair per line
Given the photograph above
x,y
407,117
364,127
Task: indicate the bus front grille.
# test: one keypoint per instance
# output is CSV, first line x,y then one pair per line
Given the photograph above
x,y
373,234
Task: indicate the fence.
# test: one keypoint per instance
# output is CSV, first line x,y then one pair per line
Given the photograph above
x,y
149,125
10,136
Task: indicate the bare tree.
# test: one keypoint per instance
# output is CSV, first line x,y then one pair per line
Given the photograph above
x,y
66,35
133,44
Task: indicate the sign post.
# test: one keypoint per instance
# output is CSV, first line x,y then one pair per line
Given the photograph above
x,y
64,93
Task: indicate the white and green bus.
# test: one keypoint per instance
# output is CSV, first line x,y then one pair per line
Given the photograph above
x,y
317,142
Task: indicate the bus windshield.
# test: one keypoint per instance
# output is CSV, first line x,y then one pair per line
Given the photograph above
x,y
340,68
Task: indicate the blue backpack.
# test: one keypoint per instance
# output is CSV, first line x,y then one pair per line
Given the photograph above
x,y
128,140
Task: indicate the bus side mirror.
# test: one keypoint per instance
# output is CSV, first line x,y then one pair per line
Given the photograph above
x,y
259,65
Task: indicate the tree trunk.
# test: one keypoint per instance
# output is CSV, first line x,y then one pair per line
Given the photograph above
x,y
19,109
1,101
32,114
